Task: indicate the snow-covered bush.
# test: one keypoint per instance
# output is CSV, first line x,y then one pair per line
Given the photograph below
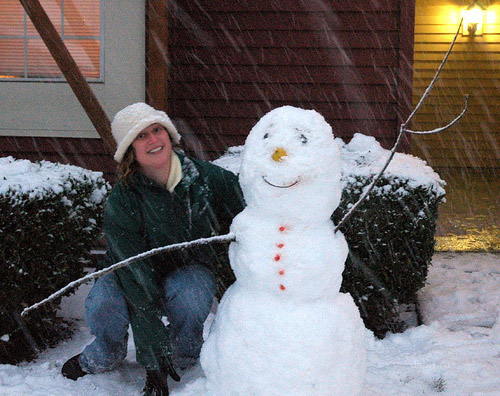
x,y
50,215
390,236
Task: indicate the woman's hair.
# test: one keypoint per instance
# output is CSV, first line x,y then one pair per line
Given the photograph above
x,y
128,166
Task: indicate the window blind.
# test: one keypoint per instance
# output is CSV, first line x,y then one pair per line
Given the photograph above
x,y
23,54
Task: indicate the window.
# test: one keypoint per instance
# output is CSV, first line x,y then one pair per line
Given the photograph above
x,y
23,54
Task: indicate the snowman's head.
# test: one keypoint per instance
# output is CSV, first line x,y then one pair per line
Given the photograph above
x,y
291,165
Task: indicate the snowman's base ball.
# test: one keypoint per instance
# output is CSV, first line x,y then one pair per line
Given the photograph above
x,y
265,346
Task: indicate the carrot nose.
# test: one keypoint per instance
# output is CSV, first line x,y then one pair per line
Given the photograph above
x,y
278,154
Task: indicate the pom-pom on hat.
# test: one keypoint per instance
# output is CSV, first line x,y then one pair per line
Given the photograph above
x,y
131,120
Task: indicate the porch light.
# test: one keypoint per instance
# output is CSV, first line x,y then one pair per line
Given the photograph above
x,y
473,20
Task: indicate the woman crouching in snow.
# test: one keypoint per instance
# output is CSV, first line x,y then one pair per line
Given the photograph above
x,y
161,197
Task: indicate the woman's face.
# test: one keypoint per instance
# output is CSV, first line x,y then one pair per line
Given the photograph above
x,y
153,148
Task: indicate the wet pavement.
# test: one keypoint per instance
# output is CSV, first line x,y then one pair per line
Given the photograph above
x,y
469,221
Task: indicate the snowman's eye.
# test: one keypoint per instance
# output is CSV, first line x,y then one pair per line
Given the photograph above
x,y
266,136
303,138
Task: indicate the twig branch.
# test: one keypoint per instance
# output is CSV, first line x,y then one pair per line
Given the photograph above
x,y
202,241
431,85
403,128
440,129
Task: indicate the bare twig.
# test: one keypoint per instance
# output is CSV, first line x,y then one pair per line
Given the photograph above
x,y
202,241
431,85
403,128
440,129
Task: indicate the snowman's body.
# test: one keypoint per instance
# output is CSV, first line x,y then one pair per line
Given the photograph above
x,y
283,328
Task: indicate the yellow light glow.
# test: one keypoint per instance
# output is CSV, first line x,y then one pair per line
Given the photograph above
x,y
473,21
491,16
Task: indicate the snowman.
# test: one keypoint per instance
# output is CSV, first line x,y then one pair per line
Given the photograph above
x,y
283,328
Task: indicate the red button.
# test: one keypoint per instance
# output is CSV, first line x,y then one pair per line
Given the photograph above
x,y
282,272
281,245
277,257
282,228
282,287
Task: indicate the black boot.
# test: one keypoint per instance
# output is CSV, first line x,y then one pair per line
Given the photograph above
x,y
72,369
156,383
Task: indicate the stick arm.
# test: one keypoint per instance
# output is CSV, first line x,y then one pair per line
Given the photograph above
x,y
226,238
403,128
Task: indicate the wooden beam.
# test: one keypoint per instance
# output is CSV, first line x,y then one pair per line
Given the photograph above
x,y
157,54
70,70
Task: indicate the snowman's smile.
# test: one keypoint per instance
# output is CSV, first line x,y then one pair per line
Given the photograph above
x,y
280,185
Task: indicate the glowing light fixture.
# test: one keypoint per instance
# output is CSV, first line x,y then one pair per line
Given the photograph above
x,y
473,20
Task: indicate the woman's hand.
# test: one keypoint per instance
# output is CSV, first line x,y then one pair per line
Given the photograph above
x,y
156,380
156,383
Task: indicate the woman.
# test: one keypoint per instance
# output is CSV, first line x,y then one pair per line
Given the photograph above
x,y
161,197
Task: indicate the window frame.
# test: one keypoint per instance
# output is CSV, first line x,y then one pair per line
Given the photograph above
x,y
61,79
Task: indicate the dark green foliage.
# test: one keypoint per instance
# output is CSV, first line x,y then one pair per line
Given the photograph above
x,y
391,242
45,243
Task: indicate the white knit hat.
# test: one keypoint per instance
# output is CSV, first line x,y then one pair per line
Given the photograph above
x,y
132,120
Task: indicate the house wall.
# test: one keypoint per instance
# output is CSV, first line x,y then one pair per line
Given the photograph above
x,y
46,121
473,69
231,62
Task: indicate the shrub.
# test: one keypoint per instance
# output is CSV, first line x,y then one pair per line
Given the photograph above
x,y
391,242
390,236
50,216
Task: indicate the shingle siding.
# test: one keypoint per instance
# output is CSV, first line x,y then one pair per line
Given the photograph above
x,y
231,62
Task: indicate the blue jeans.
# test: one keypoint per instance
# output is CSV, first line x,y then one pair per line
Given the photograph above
x,y
189,293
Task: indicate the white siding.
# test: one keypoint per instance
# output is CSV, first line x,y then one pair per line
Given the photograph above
x,y
52,109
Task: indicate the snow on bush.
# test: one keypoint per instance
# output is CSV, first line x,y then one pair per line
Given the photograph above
x,y
50,216
22,178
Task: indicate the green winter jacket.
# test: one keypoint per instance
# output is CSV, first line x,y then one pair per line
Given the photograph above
x,y
141,216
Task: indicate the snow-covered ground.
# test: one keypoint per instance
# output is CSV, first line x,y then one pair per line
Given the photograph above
x,y
456,352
